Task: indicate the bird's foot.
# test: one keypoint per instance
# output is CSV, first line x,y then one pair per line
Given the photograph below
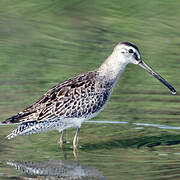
x,y
63,143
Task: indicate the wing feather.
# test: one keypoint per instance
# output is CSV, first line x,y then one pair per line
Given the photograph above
x,y
76,97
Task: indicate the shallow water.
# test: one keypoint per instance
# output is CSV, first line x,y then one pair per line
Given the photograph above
x,y
45,42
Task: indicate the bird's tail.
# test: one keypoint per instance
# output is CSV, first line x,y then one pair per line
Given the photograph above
x,y
32,127
16,119
22,128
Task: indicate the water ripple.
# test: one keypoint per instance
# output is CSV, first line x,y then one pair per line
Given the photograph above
x,y
138,124
158,126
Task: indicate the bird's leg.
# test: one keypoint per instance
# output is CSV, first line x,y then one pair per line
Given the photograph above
x,y
63,138
75,141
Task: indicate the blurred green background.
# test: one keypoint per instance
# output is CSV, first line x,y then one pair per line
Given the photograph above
x,y
44,42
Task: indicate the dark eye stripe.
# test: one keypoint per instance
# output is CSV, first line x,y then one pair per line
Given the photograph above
x,y
135,56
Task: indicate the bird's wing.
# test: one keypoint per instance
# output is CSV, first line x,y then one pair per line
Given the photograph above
x,y
75,97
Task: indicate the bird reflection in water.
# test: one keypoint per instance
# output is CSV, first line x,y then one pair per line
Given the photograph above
x,y
57,169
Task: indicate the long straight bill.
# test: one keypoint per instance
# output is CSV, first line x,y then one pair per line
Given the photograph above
x,y
156,75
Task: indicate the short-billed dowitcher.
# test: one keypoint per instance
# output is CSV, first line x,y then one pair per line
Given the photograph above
x,y
79,98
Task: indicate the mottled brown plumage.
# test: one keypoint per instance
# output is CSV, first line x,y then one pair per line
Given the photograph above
x,y
79,97
76,97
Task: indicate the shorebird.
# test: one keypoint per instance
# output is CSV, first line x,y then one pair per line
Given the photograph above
x,y
79,98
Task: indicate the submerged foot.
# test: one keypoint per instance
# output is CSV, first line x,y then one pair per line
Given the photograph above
x,y
63,143
76,147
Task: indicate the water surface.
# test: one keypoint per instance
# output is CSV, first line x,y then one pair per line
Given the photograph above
x,y
45,42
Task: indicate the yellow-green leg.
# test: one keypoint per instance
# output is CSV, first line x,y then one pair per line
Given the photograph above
x,y
75,141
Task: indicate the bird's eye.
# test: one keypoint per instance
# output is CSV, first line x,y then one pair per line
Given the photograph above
x,y
131,51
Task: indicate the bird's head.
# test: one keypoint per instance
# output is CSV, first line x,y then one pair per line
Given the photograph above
x,y
127,52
